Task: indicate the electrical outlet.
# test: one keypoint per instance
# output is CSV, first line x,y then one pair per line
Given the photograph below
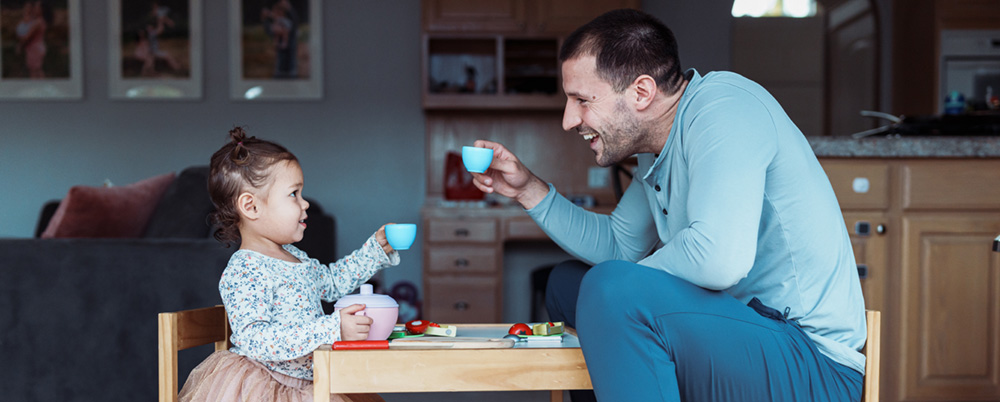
x,y
597,177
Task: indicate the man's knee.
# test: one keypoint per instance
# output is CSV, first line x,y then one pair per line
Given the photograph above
x,y
606,282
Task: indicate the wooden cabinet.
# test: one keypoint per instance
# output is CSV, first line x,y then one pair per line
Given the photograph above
x,y
863,192
475,15
950,324
555,17
565,16
930,270
499,54
949,281
462,269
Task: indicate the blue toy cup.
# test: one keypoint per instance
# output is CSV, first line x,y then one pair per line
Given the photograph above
x,y
477,159
401,235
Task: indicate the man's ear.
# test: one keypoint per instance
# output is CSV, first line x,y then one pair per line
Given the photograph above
x,y
645,91
246,204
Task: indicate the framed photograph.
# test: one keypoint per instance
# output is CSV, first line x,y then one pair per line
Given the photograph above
x,y
154,49
40,56
276,49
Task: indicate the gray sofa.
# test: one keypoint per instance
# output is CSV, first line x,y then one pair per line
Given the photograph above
x,y
78,316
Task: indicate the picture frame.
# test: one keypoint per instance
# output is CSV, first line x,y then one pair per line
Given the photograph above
x,y
276,50
40,54
155,49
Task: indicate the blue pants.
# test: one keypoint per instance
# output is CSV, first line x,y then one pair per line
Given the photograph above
x,y
650,336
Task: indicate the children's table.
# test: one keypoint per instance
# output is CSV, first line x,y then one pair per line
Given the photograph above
x,y
527,366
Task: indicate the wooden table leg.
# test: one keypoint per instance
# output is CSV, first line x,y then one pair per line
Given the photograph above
x,y
321,377
557,396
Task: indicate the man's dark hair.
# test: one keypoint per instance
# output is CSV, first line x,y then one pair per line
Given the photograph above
x,y
627,43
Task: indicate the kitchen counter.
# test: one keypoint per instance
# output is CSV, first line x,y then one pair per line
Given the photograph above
x,y
906,147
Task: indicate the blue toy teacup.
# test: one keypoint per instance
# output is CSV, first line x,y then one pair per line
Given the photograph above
x,y
477,159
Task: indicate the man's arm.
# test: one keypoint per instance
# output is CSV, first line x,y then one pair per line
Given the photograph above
x,y
629,233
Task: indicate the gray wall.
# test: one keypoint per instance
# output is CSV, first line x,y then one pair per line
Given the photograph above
x,y
361,147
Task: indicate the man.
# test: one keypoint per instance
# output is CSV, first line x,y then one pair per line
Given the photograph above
x,y
729,212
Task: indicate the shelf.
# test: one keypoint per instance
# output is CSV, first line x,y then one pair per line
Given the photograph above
x,y
498,101
491,72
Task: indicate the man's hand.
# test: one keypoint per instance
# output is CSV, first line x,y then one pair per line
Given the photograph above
x,y
508,177
354,327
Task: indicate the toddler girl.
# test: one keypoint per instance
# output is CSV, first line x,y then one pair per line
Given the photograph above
x,y
272,290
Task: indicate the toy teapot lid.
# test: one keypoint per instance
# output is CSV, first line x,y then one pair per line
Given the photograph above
x,y
367,297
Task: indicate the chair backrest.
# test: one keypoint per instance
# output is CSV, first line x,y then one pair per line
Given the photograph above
x,y
872,353
187,329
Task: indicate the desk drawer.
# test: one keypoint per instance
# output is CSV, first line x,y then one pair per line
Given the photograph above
x,y
859,184
469,230
462,259
524,228
462,300
962,184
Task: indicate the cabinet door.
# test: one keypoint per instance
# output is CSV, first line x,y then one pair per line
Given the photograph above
x,y
461,260
868,238
950,289
565,16
461,230
474,15
462,300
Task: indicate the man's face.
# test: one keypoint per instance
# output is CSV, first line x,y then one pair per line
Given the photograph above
x,y
601,116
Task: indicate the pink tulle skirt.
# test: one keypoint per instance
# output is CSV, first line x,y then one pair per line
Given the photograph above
x,y
229,377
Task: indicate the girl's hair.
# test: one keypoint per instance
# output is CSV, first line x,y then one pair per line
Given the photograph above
x,y
240,165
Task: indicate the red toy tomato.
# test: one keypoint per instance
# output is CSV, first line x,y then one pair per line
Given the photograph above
x,y
416,327
519,329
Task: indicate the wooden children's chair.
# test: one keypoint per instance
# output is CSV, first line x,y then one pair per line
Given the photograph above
x,y
190,328
872,351
187,329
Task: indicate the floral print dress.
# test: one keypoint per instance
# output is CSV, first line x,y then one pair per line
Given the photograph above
x,y
274,305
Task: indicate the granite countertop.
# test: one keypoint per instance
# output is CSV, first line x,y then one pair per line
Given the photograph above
x,y
906,147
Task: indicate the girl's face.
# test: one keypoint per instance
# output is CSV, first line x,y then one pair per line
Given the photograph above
x,y
283,211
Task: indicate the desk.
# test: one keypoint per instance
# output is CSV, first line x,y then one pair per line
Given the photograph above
x,y
524,367
463,259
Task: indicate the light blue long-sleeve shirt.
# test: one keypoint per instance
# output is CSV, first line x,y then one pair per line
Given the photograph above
x,y
736,201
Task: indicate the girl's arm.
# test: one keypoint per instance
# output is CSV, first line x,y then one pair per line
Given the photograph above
x,y
346,274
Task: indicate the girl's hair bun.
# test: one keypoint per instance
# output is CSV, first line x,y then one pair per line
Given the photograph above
x,y
241,154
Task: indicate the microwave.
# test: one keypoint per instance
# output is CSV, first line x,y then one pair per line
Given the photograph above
x,y
969,65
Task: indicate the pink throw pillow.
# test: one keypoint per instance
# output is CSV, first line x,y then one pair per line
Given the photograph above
x,y
108,211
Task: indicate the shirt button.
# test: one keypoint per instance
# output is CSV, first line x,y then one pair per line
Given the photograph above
x,y
657,187
664,211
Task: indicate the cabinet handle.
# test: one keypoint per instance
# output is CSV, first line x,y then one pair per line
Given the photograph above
x,y
462,232
862,228
461,262
461,306
862,271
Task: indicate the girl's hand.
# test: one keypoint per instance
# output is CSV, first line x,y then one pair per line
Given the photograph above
x,y
380,236
354,327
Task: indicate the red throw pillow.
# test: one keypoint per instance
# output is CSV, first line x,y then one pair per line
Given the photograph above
x,y
108,211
